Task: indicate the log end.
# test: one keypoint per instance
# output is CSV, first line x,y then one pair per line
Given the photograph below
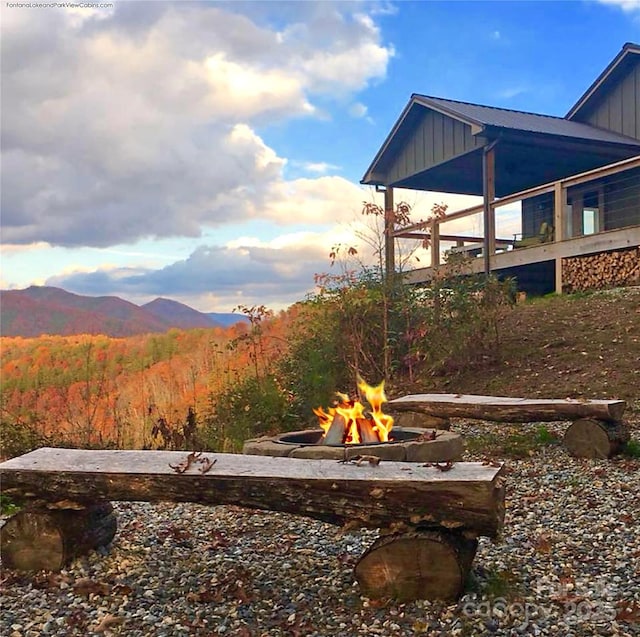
x,y
590,438
43,539
417,565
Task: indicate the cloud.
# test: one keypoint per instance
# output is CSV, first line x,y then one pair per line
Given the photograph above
x,y
358,110
511,92
320,167
629,6
142,121
250,270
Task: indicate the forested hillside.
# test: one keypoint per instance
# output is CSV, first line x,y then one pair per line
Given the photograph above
x,y
215,387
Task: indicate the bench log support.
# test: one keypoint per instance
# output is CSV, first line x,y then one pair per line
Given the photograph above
x,y
590,438
417,565
37,538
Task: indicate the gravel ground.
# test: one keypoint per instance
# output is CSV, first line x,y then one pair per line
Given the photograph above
x,y
568,565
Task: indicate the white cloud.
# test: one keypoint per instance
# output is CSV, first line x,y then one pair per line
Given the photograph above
x,y
142,122
320,167
358,110
511,92
626,5
255,272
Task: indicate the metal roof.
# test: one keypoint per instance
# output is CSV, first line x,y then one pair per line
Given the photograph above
x,y
482,117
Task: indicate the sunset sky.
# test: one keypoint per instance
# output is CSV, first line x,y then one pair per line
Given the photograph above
x,y
211,152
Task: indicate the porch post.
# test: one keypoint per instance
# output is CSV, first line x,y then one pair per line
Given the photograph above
x,y
559,221
389,240
435,243
489,215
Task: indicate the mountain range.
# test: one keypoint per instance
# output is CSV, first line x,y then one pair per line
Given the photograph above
x,y
39,310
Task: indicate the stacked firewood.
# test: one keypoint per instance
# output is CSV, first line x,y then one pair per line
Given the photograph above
x,y
603,270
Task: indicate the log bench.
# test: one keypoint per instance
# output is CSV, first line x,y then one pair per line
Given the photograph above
x,y
596,431
429,518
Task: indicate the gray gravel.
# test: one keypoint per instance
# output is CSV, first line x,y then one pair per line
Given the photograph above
x,y
568,564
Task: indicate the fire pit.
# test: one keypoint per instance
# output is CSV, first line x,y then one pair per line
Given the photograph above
x,y
348,429
409,444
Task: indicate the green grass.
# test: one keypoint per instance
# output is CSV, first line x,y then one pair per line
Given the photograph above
x,y
7,506
632,449
499,584
513,445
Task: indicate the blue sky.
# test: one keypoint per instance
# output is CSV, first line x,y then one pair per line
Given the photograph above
x,y
211,152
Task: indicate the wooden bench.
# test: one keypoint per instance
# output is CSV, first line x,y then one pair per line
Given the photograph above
x,y
429,518
596,431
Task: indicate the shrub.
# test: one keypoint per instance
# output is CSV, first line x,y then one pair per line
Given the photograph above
x,y
18,438
247,408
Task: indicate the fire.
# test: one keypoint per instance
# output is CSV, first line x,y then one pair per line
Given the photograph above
x,y
347,422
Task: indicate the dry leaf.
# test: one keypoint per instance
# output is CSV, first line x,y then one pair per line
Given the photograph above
x,y
87,586
108,622
441,466
628,612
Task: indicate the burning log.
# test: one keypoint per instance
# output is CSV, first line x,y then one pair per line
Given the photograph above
x,y
367,432
336,432
346,422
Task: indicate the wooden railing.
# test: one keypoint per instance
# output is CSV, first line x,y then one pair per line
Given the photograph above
x,y
431,229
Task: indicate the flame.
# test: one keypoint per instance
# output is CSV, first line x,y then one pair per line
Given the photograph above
x,y
352,413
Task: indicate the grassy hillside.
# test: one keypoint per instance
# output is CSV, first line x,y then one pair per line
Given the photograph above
x,y
578,346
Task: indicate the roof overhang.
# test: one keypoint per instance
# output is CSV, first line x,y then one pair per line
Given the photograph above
x,y
402,130
521,162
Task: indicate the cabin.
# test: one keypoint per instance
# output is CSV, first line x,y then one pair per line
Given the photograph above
x,y
560,195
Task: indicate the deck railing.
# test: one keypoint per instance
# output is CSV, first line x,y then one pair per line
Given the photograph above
x,y
592,202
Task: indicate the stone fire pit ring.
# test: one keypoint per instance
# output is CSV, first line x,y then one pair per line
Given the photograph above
x,y
410,444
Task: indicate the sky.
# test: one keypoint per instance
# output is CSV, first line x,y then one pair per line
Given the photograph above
x,y
211,152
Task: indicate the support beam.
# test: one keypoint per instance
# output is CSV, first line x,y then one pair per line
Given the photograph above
x,y
559,197
435,243
389,224
489,214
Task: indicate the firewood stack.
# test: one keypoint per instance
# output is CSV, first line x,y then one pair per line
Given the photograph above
x,y
603,270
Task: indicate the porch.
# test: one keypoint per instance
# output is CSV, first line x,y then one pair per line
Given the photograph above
x,y
536,233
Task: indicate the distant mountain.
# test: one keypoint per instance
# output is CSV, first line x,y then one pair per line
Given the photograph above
x,y
48,310
227,318
179,315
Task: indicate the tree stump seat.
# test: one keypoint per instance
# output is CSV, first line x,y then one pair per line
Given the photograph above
x,y
423,511
596,430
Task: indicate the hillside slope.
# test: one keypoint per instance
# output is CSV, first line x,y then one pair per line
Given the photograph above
x,y
48,310
579,346
178,314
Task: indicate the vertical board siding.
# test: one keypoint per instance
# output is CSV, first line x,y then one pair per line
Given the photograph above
x,y
435,139
619,111
630,115
438,141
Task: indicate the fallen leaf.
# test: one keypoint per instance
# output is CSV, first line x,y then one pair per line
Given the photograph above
x,y
87,586
628,612
108,621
